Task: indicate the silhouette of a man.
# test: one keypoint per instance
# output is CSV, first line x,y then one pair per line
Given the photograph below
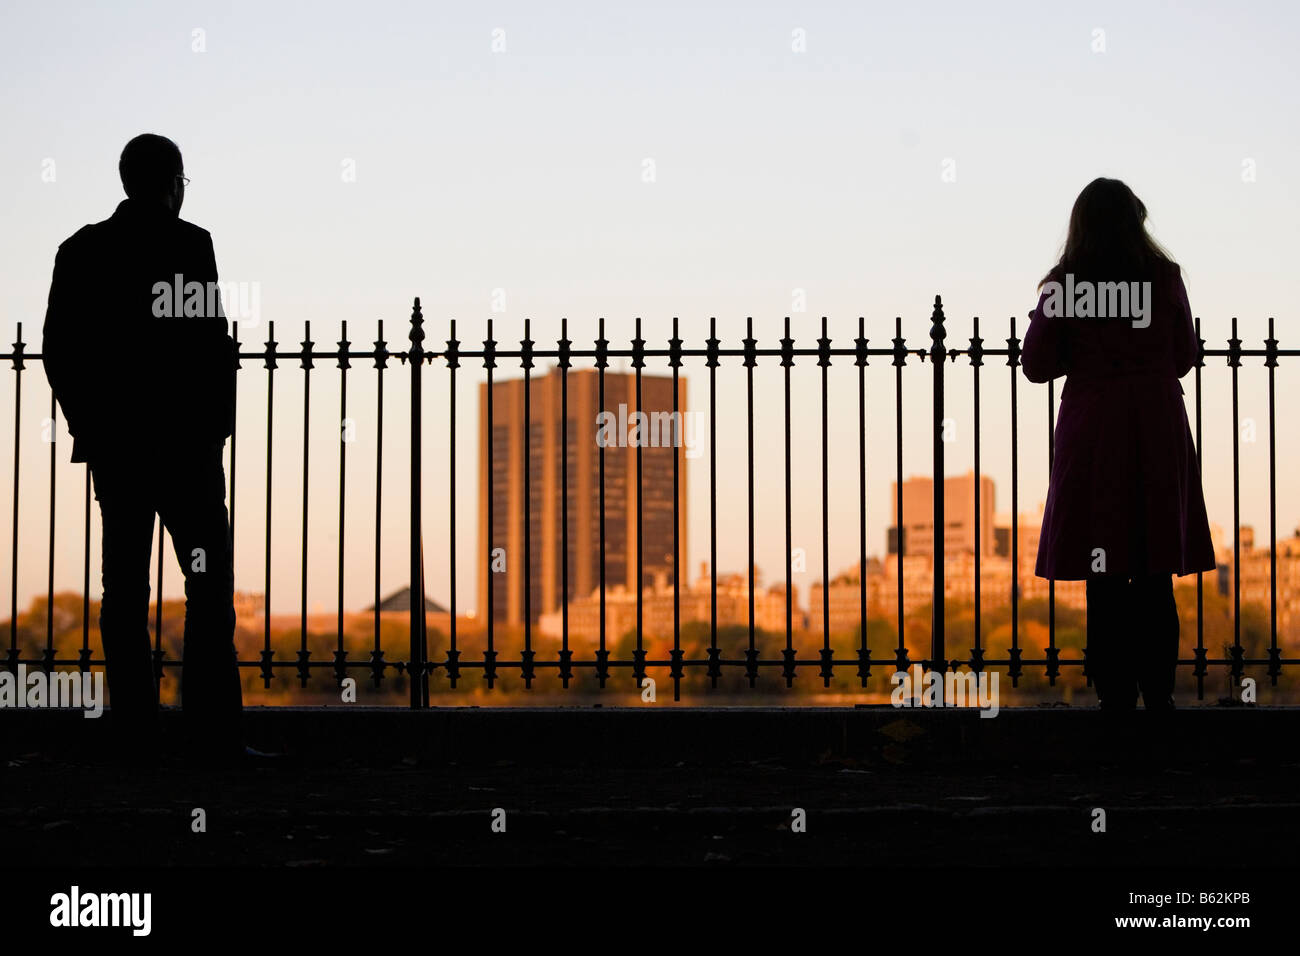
x,y
146,380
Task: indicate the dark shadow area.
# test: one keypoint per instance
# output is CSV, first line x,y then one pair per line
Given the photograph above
x,y
625,787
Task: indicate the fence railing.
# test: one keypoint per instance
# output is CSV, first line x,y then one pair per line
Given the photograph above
x,y
418,666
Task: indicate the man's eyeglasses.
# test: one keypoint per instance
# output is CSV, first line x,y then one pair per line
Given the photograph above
x,y
185,180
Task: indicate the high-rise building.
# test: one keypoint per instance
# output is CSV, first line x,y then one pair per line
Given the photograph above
x,y
621,430
959,516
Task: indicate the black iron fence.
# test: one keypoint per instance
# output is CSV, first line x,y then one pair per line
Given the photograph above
x,y
418,666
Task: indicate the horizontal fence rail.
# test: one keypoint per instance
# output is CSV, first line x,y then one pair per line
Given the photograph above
x,y
418,667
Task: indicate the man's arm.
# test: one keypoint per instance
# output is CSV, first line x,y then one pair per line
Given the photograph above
x,y
217,328
64,347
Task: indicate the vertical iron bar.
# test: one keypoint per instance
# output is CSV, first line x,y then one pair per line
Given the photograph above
x,y
84,656
824,360
602,653
566,655
676,360
271,364
453,362
424,634
638,655
49,594
381,363
18,348
715,657
864,653
304,655
977,360
1202,666
1013,360
788,670
234,430
490,653
751,358
1274,655
341,654
526,663
1234,361
938,357
415,669
900,546
1053,665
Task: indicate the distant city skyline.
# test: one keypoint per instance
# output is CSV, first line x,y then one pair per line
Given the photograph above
x,y
769,529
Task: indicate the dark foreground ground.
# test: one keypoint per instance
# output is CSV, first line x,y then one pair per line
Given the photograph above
x,y
1208,792
684,788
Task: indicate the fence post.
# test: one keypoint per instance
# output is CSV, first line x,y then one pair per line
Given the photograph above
x,y
416,668
938,356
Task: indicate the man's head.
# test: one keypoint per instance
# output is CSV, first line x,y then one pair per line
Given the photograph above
x,y
152,171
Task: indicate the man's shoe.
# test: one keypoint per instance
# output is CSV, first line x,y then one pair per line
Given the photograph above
x,y
258,758
231,757
1160,705
1112,705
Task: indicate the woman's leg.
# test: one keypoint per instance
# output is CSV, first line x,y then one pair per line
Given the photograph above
x,y
1156,618
1109,653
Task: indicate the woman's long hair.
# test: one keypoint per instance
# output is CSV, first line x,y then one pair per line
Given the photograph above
x,y
1108,237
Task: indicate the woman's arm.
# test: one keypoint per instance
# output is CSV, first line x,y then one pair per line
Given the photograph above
x,y
1186,347
1043,353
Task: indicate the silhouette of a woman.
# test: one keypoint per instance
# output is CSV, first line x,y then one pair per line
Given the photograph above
x,y
1124,509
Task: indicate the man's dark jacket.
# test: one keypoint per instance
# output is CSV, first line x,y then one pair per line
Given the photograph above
x,y
130,381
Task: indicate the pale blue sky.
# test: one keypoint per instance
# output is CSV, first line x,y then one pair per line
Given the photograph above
x,y
775,171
